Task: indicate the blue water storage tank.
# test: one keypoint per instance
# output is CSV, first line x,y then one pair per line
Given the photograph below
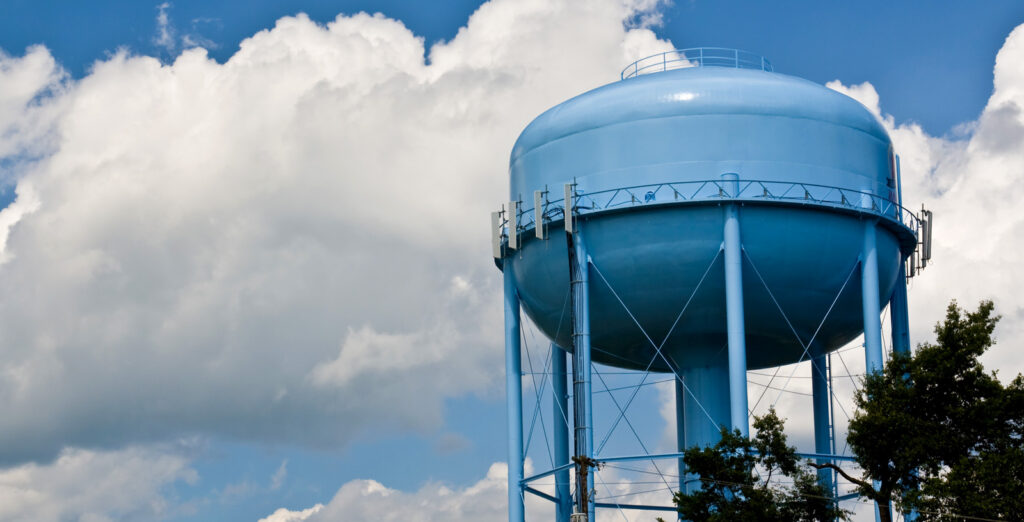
x,y
646,155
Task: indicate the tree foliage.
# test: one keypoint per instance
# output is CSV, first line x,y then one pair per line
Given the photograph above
x,y
934,432
737,475
937,433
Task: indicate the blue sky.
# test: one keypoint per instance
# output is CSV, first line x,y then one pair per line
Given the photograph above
x,y
210,272
918,55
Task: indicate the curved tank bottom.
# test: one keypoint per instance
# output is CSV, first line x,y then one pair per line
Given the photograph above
x,y
655,258
698,123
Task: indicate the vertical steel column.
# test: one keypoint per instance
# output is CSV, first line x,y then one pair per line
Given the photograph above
x,y
513,397
579,275
899,307
734,310
870,301
560,416
681,431
899,314
822,417
581,373
870,305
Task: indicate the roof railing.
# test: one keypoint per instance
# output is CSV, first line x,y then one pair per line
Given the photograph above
x,y
696,57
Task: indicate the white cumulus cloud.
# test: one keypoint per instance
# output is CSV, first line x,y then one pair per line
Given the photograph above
x,y
974,186
93,486
290,246
369,500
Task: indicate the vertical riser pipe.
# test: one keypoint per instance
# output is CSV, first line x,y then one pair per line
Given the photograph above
x,y
709,386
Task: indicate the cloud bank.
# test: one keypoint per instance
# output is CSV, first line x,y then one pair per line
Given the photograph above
x,y
975,186
91,486
287,247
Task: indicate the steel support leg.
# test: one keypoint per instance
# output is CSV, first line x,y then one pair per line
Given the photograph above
x,y
681,431
582,404
900,314
734,311
870,300
871,306
560,413
513,398
710,387
822,416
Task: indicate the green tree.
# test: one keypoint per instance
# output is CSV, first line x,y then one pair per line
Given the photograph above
x,y
937,433
737,475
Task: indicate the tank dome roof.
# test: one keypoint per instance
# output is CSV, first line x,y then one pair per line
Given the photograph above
x,y
697,91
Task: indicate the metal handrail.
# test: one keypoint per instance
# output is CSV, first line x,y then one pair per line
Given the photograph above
x,y
677,455
709,191
524,483
696,57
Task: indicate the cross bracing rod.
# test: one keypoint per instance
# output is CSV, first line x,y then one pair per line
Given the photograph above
x,y
622,414
806,346
647,369
657,348
538,392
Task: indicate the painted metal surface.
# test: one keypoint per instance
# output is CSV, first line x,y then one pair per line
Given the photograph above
x,y
822,161
680,432
582,396
787,258
696,124
560,432
514,399
899,315
735,327
899,306
871,308
820,391
705,407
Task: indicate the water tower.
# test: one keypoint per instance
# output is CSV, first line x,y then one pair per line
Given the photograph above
x,y
701,217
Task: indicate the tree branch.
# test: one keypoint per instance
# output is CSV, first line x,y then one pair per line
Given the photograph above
x,y
857,481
